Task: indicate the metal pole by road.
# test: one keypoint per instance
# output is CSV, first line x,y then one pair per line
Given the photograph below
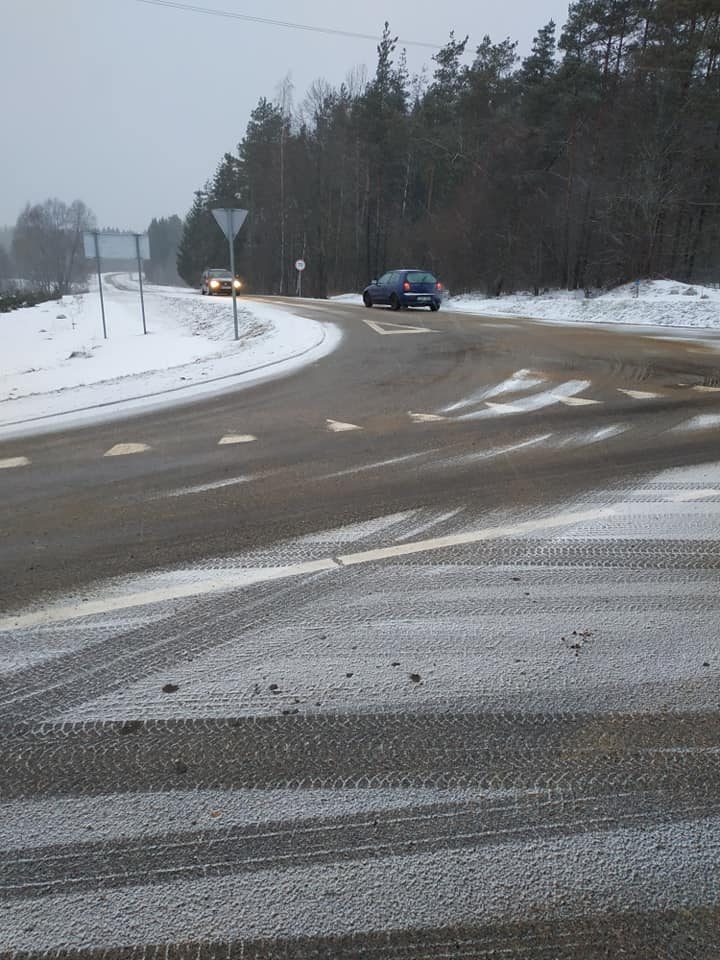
x,y
231,244
102,302
139,261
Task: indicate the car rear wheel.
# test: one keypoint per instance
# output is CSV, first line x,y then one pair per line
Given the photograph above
x,y
434,307
394,302
367,300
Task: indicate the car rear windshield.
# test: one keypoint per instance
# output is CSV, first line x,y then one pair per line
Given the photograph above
x,y
417,276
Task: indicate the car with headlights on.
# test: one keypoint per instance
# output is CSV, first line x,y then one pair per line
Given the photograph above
x,y
405,288
218,281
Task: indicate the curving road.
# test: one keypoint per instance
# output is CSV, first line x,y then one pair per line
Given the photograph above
x,y
411,654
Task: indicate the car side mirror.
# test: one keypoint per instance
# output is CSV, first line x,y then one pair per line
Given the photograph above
x,y
374,283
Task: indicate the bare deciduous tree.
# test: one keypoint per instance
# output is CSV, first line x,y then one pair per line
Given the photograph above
x,y
48,244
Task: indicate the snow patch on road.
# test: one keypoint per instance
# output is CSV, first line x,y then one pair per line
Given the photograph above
x,y
522,380
536,401
704,421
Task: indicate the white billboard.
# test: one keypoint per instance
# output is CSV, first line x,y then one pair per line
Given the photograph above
x,y
116,246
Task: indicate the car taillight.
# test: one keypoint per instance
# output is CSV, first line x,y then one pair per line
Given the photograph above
x,y
406,286
438,286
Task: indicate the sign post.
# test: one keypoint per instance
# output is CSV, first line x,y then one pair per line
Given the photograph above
x,y
299,266
117,246
230,219
102,302
139,261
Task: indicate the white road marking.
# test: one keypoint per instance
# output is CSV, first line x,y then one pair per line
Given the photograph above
x,y
337,426
124,449
535,401
204,487
425,417
639,394
379,327
577,401
376,466
702,389
10,462
474,536
236,438
225,580
521,380
685,496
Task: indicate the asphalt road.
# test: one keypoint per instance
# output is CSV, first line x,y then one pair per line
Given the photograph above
x,y
411,654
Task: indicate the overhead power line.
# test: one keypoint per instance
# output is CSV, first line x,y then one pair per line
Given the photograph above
x,y
309,28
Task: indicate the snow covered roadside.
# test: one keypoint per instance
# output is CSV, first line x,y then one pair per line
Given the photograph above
x,y
56,369
659,303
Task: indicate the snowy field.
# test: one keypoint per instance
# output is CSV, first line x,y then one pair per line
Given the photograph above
x,y
57,367
659,303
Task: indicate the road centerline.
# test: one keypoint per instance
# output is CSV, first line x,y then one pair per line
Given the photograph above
x,y
225,581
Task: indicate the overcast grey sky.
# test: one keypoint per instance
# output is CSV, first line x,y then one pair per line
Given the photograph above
x,y
129,106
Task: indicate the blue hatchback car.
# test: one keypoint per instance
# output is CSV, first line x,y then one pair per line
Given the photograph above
x,y
405,288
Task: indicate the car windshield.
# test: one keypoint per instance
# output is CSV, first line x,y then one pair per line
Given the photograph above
x,y
351,610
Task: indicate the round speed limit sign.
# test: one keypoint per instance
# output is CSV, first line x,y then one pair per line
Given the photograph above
x,y
300,265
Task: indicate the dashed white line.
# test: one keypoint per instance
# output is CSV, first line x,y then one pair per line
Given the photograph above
x,y
11,462
578,401
703,389
425,417
639,394
230,438
125,449
337,426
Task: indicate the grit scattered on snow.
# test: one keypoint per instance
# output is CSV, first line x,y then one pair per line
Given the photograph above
x,y
661,303
56,366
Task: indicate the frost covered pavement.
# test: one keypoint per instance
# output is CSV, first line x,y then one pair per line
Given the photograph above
x,y
528,719
440,683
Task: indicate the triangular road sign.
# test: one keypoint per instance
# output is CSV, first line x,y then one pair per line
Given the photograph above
x,y
230,219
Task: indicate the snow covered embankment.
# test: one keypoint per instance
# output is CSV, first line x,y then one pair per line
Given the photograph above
x,y
56,368
658,303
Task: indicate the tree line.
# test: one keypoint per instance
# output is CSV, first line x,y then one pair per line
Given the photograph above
x,y
592,161
45,250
